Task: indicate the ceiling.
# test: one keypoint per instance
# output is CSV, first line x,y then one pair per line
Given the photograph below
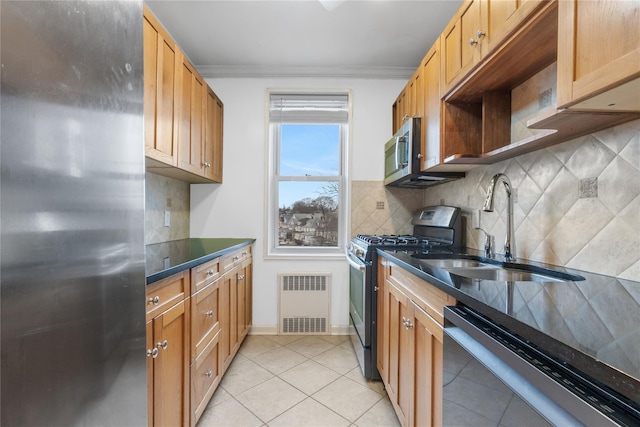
x,y
292,38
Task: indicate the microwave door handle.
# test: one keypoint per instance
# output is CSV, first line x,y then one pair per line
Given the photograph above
x,y
397,153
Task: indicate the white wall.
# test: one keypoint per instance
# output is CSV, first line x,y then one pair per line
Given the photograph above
x,y
237,207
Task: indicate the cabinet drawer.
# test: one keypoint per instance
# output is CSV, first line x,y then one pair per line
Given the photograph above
x,y
166,292
204,274
426,296
205,377
204,318
234,258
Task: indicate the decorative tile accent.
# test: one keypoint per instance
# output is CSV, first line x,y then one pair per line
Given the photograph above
x,y
599,234
165,194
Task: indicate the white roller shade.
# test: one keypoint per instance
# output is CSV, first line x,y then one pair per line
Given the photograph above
x,y
308,108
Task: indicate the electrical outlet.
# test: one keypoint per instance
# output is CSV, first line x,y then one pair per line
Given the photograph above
x,y
167,218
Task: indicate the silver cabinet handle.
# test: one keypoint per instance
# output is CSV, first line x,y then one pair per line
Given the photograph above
x,y
240,276
480,34
206,164
163,345
210,273
375,289
153,353
155,300
473,42
209,373
208,313
235,258
245,253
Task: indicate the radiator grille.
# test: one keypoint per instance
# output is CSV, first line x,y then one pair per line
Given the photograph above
x,y
304,303
304,325
304,283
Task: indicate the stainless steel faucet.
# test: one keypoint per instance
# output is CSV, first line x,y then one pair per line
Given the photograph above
x,y
510,240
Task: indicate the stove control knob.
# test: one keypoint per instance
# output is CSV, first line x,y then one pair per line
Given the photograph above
x,y
359,252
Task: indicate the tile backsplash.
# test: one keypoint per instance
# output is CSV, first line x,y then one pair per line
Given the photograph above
x,y
165,194
577,203
376,209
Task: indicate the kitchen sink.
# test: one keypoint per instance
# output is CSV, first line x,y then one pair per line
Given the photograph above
x,y
478,268
504,275
447,263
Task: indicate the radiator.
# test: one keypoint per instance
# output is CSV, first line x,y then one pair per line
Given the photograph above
x,y
304,303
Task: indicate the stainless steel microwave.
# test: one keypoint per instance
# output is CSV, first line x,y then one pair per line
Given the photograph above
x,y
402,160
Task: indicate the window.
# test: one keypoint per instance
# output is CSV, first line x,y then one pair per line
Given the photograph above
x,y
307,144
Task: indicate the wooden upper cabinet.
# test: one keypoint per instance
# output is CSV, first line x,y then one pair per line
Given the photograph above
x,y
479,27
213,137
431,105
159,92
460,46
599,55
500,18
192,105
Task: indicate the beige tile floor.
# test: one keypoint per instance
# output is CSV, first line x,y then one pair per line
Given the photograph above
x,y
298,381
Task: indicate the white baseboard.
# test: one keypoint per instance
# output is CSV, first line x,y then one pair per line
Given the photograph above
x,y
273,330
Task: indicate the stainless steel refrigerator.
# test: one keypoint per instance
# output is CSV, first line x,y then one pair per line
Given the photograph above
x,y
72,278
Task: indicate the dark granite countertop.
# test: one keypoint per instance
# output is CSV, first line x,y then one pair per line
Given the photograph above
x,y
167,258
591,324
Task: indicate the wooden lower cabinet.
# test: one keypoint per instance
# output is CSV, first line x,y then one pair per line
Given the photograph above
x,y
168,368
410,354
205,377
193,333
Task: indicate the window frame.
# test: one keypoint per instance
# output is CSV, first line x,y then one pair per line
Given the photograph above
x,y
273,250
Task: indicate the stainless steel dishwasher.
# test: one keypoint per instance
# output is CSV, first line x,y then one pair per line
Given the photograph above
x,y
493,377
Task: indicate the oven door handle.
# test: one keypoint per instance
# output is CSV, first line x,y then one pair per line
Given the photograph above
x,y
359,266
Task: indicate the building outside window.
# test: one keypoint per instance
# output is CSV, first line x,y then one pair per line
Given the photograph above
x,y
308,140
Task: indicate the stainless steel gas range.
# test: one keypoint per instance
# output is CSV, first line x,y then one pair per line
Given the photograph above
x,y
436,229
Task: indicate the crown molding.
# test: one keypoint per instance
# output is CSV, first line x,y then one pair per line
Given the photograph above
x,y
268,71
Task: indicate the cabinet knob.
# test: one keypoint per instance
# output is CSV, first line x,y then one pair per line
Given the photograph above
x,y
375,289
235,258
480,34
209,373
163,345
420,155
240,276
245,253
152,352
473,42
210,273
155,300
206,164
208,313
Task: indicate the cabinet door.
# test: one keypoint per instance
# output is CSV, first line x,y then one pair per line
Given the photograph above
x,y
244,295
427,360
228,318
431,95
159,92
400,385
170,368
460,45
500,18
213,137
598,49
192,101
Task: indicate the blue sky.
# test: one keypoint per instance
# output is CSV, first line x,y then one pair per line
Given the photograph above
x,y
312,150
